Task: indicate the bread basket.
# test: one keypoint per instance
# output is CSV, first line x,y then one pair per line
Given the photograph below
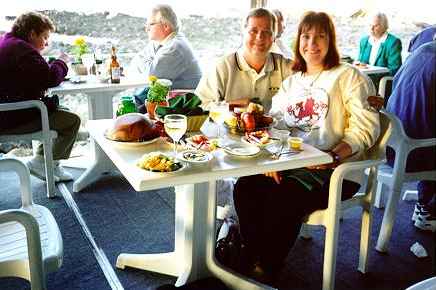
x,y
195,122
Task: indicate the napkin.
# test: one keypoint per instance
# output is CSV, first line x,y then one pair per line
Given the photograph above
x,y
187,104
418,250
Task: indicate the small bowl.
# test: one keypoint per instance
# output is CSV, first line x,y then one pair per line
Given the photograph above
x,y
295,143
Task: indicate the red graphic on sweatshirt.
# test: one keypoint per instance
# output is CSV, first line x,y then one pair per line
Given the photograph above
x,y
307,112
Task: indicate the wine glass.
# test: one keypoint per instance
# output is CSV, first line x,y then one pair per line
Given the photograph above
x,y
88,60
175,126
218,113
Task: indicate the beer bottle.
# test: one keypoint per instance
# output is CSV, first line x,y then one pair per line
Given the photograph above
x,y
115,70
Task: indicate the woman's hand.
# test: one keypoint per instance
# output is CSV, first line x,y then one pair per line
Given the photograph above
x,y
274,175
64,57
339,153
332,165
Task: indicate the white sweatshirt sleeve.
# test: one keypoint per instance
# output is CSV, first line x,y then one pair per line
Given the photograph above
x,y
363,121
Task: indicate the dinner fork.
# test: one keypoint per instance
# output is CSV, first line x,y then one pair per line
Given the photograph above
x,y
276,155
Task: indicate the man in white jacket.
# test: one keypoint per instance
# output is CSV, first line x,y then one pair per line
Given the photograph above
x,y
168,55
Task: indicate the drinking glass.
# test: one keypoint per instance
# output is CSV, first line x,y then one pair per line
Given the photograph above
x,y
218,113
175,126
88,60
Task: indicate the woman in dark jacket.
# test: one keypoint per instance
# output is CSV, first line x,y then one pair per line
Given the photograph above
x,y
25,75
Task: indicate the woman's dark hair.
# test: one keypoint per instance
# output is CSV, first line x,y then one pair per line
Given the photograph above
x,y
31,21
321,22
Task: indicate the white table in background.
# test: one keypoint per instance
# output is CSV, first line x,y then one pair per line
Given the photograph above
x,y
100,106
193,255
372,69
99,94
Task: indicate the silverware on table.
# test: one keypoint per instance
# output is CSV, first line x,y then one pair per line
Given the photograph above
x,y
276,155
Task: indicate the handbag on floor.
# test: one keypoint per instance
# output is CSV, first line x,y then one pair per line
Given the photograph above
x,y
229,245
202,284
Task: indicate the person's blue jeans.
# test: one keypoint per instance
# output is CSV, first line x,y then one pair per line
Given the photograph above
x,y
140,99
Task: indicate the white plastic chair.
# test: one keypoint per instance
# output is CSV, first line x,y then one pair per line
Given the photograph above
x,y
382,88
30,239
45,136
428,284
329,217
391,179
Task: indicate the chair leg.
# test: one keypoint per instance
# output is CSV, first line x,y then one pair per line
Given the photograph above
x,y
48,159
388,220
380,195
330,252
365,239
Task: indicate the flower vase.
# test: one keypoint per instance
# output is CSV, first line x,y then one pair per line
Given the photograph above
x,y
80,69
151,108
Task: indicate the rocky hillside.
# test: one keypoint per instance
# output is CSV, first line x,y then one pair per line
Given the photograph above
x,y
210,37
127,32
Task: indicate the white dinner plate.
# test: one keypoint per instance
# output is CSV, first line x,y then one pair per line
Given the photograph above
x,y
78,79
131,144
195,156
241,150
206,146
181,165
245,140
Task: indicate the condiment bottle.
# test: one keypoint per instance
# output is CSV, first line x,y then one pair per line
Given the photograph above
x,y
114,68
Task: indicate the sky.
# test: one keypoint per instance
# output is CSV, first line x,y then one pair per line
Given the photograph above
x,y
418,11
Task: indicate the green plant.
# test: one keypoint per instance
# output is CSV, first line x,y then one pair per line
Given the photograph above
x,y
158,90
80,47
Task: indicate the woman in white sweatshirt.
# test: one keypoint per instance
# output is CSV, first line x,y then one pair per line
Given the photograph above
x,y
325,102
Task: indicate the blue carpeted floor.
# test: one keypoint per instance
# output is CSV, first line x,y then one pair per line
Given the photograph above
x,y
122,220
80,270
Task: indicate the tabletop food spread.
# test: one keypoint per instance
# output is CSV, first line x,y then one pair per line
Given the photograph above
x,y
135,130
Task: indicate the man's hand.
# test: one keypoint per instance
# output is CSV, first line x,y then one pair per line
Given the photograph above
x,y
376,102
274,175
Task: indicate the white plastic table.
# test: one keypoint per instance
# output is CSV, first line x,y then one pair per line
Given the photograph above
x,y
193,255
372,69
99,94
99,107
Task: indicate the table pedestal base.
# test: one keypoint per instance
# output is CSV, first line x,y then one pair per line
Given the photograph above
x,y
100,165
193,256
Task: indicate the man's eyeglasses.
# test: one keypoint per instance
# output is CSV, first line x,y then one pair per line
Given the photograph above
x,y
149,25
263,33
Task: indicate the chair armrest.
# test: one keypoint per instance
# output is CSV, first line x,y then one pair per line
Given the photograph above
x,y
417,143
340,172
33,239
27,105
382,85
12,164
